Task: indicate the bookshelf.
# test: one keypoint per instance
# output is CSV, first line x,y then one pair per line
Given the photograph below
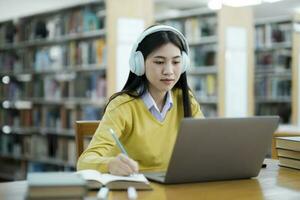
x,y
57,67
212,74
276,68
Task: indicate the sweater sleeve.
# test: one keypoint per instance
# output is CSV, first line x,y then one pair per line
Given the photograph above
x,y
99,151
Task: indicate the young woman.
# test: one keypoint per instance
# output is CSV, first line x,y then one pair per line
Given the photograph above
x,y
146,114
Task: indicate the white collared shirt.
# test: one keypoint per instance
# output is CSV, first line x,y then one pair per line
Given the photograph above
x,y
152,107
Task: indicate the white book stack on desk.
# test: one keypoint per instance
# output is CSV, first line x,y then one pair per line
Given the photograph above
x,y
288,149
55,185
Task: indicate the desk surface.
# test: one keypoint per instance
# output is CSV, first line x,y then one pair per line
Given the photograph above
x,y
272,183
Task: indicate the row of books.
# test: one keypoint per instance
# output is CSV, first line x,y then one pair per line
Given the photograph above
x,y
209,110
90,112
65,85
86,85
279,59
204,86
195,28
273,77
281,109
269,34
51,118
75,53
50,147
53,25
91,85
288,149
11,61
273,87
203,55
15,89
12,169
56,57
14,117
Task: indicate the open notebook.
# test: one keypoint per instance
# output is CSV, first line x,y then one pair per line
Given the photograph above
x,y
96,180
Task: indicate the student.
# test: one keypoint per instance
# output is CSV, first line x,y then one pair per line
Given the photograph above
x,y
147,113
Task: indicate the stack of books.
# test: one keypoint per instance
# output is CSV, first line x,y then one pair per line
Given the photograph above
x,y
56,185
288,149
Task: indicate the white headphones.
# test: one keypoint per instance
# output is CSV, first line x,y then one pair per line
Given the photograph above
x,y
136,60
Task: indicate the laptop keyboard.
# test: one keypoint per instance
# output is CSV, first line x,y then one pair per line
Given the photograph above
x,y
157,174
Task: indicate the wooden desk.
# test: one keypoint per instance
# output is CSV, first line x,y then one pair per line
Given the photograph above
x,y
272,183
284,131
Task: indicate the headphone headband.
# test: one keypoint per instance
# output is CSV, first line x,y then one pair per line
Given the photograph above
x,y
158,28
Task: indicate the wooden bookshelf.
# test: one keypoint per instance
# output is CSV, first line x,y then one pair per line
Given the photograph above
x,y
276,68
123,9
244,24
57,67
206,32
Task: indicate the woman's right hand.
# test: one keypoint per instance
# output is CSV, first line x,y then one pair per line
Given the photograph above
x,y
122,165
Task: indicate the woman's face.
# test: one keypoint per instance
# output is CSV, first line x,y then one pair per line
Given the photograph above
x,y
163,68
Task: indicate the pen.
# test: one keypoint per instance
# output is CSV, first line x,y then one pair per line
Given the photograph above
x,y
113,134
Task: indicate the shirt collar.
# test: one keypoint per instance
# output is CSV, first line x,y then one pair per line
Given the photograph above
x,y
149,101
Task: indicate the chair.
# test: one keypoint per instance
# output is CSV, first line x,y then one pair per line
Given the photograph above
x,y
84,129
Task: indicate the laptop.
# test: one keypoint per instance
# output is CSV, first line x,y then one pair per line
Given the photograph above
x,y
214,149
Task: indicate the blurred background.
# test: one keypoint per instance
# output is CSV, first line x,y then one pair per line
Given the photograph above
x,y
61,60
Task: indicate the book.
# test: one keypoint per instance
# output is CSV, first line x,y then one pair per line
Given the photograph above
x,y
290,143
55,185
288,153
288,162
96,180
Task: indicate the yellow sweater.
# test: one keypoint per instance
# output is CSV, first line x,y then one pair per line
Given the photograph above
x,y
146,140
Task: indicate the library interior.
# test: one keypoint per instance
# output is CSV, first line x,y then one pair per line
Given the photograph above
x,y
61,61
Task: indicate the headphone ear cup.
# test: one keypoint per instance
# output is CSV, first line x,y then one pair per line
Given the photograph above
x,y
185,62
136,63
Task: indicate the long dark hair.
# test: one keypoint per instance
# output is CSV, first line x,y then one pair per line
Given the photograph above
x,y
136,86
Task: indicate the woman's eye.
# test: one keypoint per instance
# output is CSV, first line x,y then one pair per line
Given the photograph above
x,y
158,62
176,62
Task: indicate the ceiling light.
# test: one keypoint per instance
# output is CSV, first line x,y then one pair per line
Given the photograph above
x,y
6,129
5,79
297,10
6,104
240,3
271,1
215,4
